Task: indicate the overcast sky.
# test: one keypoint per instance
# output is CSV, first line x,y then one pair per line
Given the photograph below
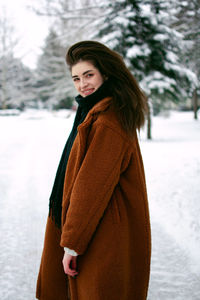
x,y
30,29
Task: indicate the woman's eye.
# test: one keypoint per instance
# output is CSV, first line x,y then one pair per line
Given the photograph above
x,y
75,79
89,75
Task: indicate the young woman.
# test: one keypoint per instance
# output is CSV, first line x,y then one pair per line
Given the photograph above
x,y
97,242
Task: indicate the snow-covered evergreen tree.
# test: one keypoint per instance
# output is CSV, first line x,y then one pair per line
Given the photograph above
x,y
139,30
54,84
16,84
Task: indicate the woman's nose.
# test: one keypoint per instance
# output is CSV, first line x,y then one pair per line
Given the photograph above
x,y
83,83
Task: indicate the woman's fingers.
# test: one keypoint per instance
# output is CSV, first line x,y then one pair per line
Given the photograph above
x,y
73,262
69,271
69,264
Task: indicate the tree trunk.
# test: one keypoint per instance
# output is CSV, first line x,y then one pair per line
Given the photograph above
x,y
149,136
195,105
4,88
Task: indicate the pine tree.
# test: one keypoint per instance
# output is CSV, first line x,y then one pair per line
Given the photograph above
x,y
16,84
139,30
53,83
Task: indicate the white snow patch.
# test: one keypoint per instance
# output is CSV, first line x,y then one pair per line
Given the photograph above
x,y
136,50
156,80
171,56
160,37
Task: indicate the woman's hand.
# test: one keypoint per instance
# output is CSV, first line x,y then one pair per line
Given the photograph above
x,y
70,264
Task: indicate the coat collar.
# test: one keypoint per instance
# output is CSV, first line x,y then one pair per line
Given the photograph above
x,y
101,106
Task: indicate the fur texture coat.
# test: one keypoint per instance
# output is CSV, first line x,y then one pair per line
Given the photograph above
x,y
105,217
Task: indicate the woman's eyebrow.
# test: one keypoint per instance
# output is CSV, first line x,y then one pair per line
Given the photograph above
x,y
83,73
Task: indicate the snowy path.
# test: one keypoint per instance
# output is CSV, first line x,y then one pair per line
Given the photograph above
x,y
30,148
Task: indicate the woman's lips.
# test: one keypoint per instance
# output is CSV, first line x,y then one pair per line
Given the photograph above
x,y
87,92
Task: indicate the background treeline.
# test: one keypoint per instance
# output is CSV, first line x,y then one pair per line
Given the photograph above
x,y
159,40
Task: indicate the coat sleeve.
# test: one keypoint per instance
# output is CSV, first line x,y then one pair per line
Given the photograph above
x,y
93,187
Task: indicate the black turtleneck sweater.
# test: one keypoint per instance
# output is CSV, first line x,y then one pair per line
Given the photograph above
x,y
84,106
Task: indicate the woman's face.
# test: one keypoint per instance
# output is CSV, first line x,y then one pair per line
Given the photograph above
x,y
87,78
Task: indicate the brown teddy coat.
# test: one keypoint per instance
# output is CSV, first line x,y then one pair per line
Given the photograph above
x,y
105,217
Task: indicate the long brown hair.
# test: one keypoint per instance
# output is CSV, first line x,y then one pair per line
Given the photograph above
x,y
128,100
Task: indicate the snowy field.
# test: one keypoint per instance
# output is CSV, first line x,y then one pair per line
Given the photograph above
x,y
30,148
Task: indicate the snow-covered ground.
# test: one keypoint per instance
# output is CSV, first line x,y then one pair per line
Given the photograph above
x,y
30,148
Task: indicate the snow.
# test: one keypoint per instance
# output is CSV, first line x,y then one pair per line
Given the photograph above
x,y
157,80
171,56
138,51
30,148
111,39
184,71
146,10
160,37
122,21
